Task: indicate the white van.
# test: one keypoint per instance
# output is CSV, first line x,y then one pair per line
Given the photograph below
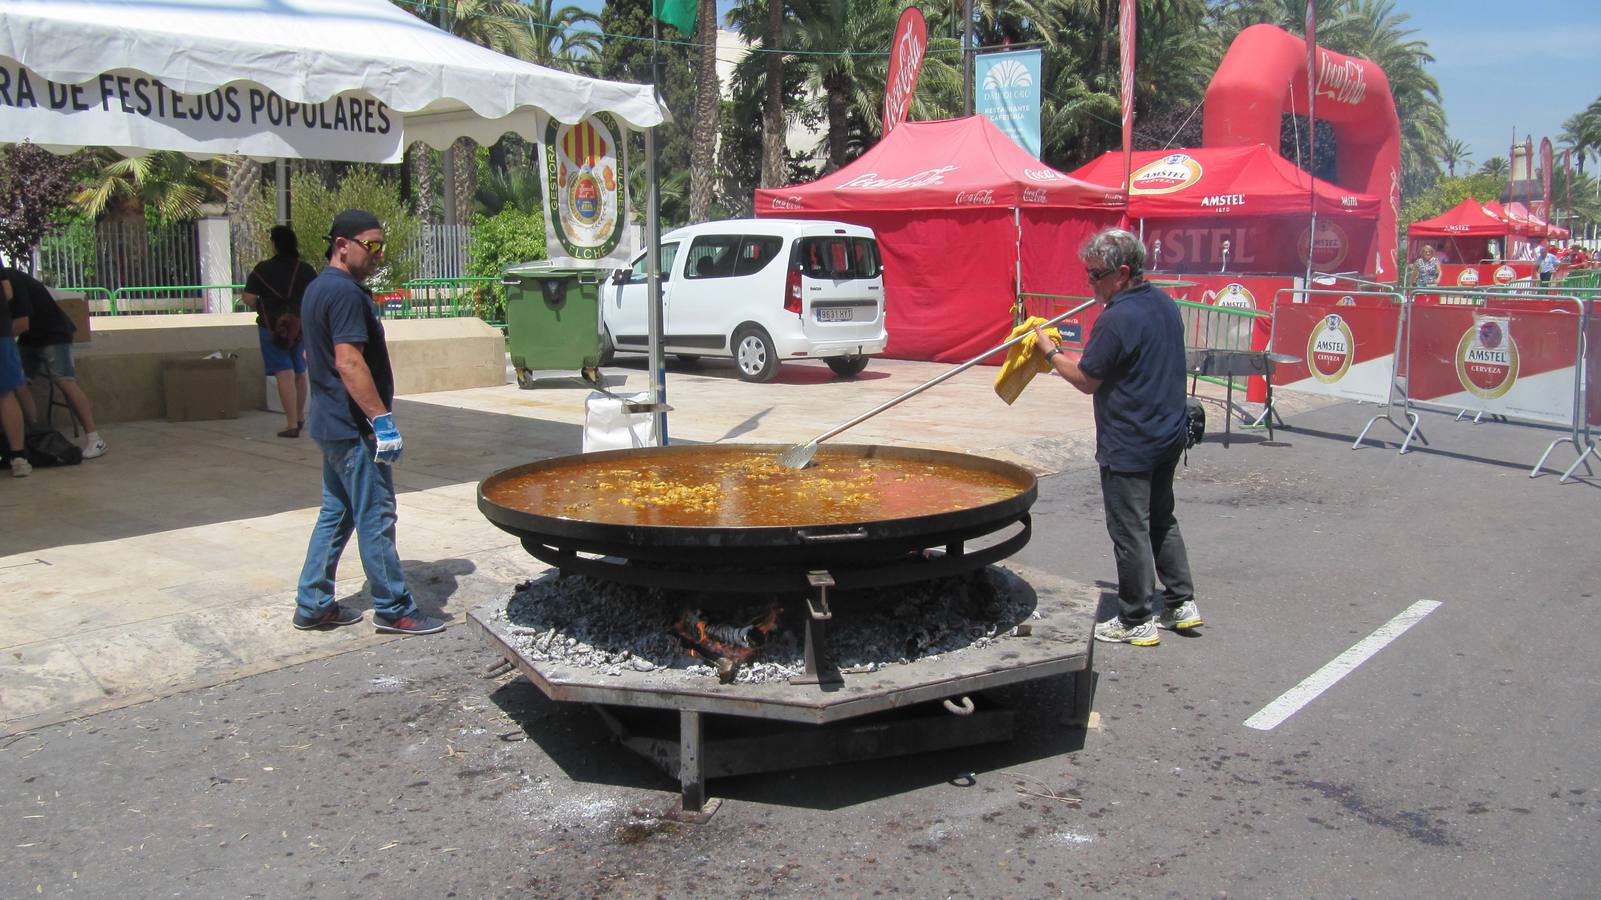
x,y
759,291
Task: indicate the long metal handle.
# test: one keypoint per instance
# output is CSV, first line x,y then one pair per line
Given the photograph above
x,y
949,374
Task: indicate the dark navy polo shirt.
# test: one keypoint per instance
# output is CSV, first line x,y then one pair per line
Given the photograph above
x,y
1136,350
337,309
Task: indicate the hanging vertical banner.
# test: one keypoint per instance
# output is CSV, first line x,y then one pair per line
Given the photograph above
x,y
1009,94
1547,162
1127,33
586,191
905,62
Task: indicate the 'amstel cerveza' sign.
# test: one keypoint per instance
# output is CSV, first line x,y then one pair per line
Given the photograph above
x,y
1487,357
1328,250
1329,349
1233,296
1468,277
584,181
1168,174
1505,274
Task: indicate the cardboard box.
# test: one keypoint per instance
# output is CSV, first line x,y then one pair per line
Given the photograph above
x,y
77,309
200,389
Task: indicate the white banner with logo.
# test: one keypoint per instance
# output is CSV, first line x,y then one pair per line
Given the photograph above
x,y
1009,94
586,192
127,110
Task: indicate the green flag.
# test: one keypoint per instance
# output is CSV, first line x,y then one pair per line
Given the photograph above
x,y
678,13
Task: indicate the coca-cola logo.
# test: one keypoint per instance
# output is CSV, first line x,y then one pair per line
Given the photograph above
x,y
1341,80
906,60
975,198
872,181
1168,174
1043,175
790,202
1033,195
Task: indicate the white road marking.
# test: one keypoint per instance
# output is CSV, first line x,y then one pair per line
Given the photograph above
x,y
1291,701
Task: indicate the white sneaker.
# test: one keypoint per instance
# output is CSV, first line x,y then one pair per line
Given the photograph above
x,y
1113,631
20,468
93,447
1182,617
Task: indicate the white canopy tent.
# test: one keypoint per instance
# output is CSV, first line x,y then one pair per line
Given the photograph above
x,y
354,80
323,79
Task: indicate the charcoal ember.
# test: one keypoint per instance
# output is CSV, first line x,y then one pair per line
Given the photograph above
x,y
606,627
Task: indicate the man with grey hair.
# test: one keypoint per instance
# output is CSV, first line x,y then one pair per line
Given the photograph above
x,y
1134,366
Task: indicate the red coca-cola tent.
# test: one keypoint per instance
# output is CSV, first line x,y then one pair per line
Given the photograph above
x,y
963,216
1463,233
1195,199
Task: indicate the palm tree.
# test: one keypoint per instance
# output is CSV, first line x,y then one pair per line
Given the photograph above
x,y
1497,166
774,124
171,185
561,37
1453,154
708,110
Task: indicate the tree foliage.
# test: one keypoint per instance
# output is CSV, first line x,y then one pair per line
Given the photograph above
x,y
316,204
35,185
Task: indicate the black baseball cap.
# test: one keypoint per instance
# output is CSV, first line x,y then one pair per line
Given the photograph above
x,y
353,222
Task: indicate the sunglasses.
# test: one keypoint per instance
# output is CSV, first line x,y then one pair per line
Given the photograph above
x,y
374,247
1098,274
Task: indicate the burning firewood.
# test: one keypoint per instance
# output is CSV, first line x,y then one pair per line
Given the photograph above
x,y
726,646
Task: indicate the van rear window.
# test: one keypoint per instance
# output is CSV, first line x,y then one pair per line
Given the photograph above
x,y
838,257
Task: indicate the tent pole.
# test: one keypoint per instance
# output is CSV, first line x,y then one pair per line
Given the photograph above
x,y
653,287
281,188
1022,312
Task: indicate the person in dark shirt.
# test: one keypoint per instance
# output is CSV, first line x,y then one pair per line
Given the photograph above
x,y
274,290
44,337
11,378
352,395
1134,366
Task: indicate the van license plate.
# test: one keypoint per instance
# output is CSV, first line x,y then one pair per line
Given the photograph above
x,y
835,314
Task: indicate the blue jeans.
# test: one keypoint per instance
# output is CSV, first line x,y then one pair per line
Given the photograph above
x,y
357,495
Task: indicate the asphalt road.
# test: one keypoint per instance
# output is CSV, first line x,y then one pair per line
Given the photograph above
x,y
1457,761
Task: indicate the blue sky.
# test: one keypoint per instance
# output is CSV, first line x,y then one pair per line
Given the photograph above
x,y
1501,66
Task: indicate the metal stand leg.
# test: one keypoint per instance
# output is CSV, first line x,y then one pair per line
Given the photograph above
x,y
693,805
1585,453
1583,458
820,669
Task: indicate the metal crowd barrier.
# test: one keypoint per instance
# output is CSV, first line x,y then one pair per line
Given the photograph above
x,y
1349,349
121,298
1489,362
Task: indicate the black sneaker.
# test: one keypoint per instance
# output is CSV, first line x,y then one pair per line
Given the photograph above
x,y
418,624
334,615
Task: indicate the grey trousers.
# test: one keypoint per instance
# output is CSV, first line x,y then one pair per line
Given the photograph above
x,y
1146,541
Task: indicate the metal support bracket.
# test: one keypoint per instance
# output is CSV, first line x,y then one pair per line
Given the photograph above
x,y
820,669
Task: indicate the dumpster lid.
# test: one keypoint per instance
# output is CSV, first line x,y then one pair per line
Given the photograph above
x,y
546,268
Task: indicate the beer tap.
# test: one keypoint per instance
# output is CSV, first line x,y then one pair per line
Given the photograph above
x,y
1156,254
1225,257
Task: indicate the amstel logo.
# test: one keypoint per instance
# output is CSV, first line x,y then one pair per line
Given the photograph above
x,y
1330,349
1468,277
1487,357
1233,296
1505,274
1330,248
1168,174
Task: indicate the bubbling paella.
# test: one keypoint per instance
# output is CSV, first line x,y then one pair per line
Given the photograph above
x,y
735,487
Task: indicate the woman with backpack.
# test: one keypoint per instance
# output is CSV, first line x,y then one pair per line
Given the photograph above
x,y
273,290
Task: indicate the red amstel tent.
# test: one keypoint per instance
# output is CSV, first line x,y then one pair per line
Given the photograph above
x,y
1193,200
963,216
1463,233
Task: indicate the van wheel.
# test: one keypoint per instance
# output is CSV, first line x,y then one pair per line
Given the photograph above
x,y
754,355
847,366
608,352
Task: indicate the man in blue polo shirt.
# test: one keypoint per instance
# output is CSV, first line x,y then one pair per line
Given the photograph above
x,y
1134,365
352,393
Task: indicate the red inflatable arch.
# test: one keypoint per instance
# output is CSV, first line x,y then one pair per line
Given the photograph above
x,y
1264,75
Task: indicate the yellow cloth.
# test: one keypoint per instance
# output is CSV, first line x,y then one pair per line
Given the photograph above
x,y
1023,361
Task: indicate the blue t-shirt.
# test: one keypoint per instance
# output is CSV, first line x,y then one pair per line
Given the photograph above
x,y
1136,350
338,310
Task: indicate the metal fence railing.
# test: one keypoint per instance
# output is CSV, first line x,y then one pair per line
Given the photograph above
x,y
114,254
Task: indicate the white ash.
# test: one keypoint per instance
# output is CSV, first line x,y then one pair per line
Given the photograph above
x,y
586,623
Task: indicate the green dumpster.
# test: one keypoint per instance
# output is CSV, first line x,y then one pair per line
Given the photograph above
x,y
552,318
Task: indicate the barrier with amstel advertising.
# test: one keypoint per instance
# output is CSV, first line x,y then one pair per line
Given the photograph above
x,y
1511,357
1346,350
